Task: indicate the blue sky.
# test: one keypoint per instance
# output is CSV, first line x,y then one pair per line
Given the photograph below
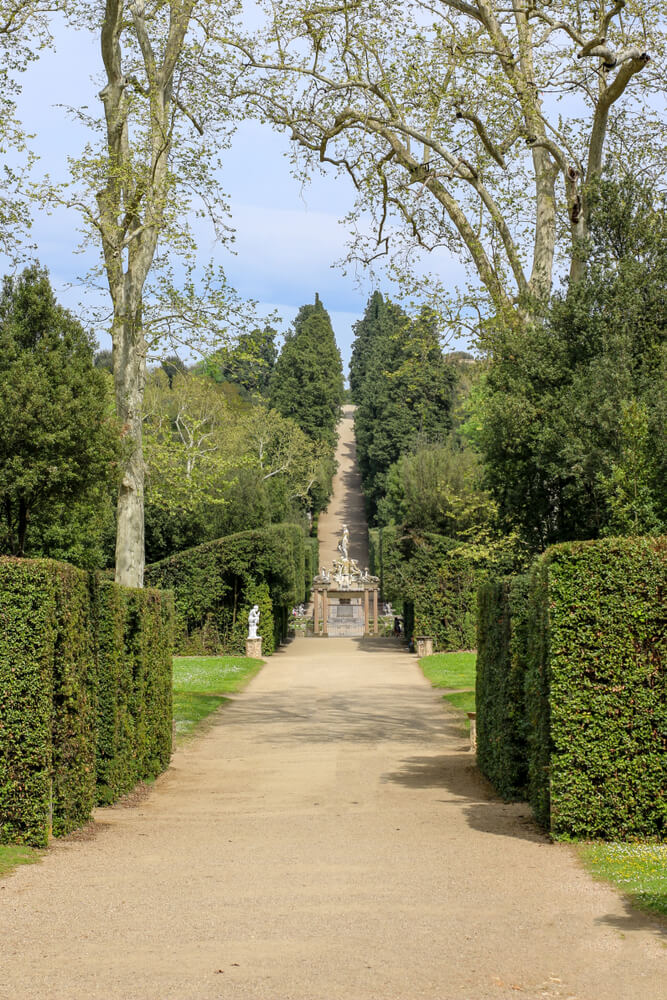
x,y
287,237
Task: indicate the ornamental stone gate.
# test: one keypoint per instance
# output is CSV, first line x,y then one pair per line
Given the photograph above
x,y
345,598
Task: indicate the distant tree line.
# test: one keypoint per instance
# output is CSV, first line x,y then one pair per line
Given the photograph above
x,y
241,440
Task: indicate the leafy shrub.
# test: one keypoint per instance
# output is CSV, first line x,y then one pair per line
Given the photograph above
x,y
596,696
214,584
434,579
501,658
85,694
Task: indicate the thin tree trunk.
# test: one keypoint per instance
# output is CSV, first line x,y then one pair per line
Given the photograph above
x,y
130,380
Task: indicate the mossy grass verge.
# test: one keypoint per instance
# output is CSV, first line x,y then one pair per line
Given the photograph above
x,y
201,684
638,870
455,673
13,855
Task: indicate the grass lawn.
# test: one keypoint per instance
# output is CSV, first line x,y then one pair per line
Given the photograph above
x,y
455,672
638,870
450,670
201,684
12,855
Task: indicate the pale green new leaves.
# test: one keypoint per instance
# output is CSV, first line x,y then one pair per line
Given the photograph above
x,y
473,126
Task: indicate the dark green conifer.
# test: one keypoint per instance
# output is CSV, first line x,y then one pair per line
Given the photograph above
x,y
307,382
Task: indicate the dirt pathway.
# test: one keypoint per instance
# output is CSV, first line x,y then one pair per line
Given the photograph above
x,y
347,503
328,838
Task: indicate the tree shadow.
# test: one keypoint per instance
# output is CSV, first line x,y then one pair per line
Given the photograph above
x,y
310,715
636,918
457,774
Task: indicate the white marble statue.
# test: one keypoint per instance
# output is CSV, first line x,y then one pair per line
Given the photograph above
x,y
344,543
253,621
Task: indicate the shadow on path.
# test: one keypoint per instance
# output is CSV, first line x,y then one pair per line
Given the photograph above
x,y
457,774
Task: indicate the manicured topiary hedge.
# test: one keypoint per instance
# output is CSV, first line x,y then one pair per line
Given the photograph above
x,y
134,641
571,688
596,694
216,584
501,663
85,694
434,579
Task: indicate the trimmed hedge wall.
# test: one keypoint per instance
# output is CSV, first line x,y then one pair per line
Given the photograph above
x,y
501,664
216,584
434,579
587,637
134,630
596,689
85,694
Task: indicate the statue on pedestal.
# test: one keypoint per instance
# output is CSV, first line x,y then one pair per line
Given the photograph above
x,y
253,621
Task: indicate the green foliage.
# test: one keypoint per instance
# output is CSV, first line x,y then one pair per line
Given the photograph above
x,y
59,443
84,668
435,579
573,407
638,870
217,466
366,331
216,584
307,382
249,364
28,633
631,502
438,488
595,689
403,389
501,664
135,640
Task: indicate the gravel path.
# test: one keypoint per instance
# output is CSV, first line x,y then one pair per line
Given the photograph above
x,y
327,838
347,502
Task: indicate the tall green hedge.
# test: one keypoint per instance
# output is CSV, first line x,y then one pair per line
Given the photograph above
x,y
85,694
596,691
134,630
216,584
501,663
434,579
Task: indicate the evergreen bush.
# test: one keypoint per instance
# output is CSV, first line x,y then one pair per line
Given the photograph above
x,y
434,579
216,584
596,696
501,662
85,694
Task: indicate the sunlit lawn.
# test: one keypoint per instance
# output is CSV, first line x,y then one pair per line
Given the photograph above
x,y
455,671
638,870
450,670
201,684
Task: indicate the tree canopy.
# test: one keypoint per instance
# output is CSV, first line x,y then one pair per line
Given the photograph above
x,y
573,409
59,442
403,390
475,125
307,381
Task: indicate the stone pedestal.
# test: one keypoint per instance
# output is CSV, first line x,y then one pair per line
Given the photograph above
x,y
473,731
253,648
424,645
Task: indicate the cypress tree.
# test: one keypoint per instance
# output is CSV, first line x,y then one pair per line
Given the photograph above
x,y
405,396
307,381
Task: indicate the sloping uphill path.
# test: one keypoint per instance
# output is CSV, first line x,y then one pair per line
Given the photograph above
x,y
327,838
347,503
